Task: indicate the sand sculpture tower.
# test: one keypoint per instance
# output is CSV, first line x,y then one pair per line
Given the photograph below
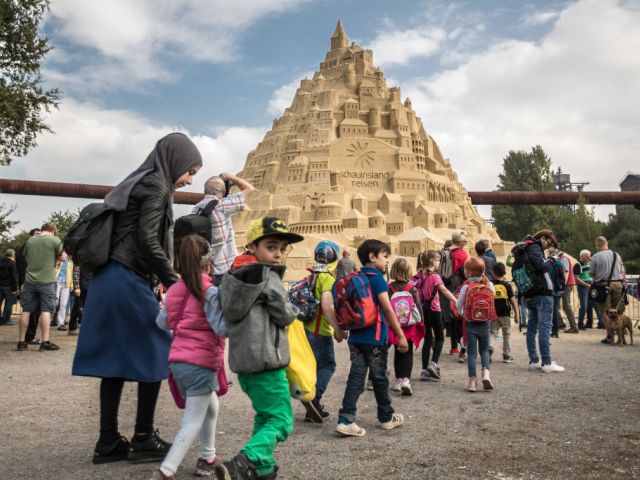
x,y
350,160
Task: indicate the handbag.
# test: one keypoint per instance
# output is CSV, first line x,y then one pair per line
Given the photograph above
x,y
598,292
223,384
301,372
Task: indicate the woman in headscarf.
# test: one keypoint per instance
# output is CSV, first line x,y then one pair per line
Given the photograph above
x,y
119,339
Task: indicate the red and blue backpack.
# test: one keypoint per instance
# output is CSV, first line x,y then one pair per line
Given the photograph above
x,y
479,303
354,304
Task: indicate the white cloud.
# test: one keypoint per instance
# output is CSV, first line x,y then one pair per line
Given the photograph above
x,y
539,18
98,146
133,42
575,93
400,47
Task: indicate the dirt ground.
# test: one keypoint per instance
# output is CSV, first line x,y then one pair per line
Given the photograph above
x,y
583,423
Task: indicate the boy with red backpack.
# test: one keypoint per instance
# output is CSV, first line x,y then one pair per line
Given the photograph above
x,y
362,305
476,305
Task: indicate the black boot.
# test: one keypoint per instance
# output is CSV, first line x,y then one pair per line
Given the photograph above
x,y
146,448
238,468
118,450
320,408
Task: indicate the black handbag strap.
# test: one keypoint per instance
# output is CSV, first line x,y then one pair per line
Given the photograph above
x,y
613,265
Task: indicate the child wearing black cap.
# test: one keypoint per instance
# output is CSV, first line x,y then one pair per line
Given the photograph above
x,y
256,308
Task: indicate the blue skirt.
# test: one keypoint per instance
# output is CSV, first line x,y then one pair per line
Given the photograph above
x,y
119,336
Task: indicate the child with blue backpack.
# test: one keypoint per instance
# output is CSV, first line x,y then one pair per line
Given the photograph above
x,y
368,346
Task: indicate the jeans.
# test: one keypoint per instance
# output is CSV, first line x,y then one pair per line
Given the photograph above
x,y
7,295
477,339
586,307
373,358
322,347
540,318
557,319
523,312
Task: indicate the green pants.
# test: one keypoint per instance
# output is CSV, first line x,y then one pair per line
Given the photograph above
x,y
269,394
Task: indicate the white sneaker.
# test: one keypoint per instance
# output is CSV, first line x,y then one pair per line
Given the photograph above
x,y
552,367
397,385
424,375
406,387
535,366
350,430
397,420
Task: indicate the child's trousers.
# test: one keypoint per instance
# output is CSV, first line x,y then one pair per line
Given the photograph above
x,y
477,342
273,422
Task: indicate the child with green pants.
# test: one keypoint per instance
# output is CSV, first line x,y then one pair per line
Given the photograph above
x,y
256,308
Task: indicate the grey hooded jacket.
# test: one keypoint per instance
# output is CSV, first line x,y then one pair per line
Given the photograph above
x,y
257,311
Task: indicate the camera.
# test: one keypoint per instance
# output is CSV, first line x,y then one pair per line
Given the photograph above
x,y
227,186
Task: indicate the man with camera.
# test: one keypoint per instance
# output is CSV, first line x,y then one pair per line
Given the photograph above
x,y
223,243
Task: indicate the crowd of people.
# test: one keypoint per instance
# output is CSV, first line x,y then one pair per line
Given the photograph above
x,y
213,296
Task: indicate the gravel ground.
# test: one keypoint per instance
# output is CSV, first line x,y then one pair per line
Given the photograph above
x,y
584,423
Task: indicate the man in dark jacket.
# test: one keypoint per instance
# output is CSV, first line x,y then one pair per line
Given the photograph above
x,y
8,285
530,252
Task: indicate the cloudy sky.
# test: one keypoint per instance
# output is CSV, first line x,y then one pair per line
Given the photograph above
x,y
486,77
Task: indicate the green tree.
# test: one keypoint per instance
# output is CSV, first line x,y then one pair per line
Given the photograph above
x,y
64,220
524,171
23,99
577,229
623,233
6,224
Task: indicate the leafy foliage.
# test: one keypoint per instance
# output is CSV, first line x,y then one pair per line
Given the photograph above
x,y
6,224
23,99
64,220
623,232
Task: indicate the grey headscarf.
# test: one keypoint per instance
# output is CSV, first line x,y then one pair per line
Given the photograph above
x,y
172,157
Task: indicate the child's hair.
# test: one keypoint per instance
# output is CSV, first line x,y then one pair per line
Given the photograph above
x,y
401,270
194,254
475,267
371,246
499,270
426,258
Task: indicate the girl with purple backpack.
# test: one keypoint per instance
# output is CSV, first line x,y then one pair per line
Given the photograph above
x,y
431,287
405,302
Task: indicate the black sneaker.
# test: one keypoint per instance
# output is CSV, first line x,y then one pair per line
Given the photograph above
x,y
48,346
22,346
313,414
238,468
148,448
320,407
114,452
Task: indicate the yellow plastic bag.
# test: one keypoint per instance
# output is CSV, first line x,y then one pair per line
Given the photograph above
x,y
301,371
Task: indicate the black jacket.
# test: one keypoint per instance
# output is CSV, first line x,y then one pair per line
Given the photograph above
x,y
8,274
539,266
139,231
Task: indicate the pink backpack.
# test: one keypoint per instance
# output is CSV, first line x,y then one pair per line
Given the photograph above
x,y
404,306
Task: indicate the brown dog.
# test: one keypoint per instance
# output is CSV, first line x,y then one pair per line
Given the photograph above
x,y
618,323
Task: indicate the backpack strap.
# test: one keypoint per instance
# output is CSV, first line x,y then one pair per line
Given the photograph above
x,y
209,207
613,266
318,318
379,321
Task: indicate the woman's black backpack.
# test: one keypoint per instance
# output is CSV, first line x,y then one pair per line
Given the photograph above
x,y
88,241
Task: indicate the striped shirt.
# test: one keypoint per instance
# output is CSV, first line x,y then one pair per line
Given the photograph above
x,y
223,243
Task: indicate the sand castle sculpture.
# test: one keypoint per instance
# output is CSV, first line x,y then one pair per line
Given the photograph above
x,y
348,160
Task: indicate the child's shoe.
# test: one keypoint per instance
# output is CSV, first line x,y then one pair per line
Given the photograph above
x,y
397,420
313,414
320,408
350,430
486,379
454,351
462,358
206,468
397,385
238,468
507,358
406,387
158,475
434,370
473,384
424,375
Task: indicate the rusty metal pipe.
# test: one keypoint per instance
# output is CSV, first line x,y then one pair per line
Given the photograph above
x,y
79,190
